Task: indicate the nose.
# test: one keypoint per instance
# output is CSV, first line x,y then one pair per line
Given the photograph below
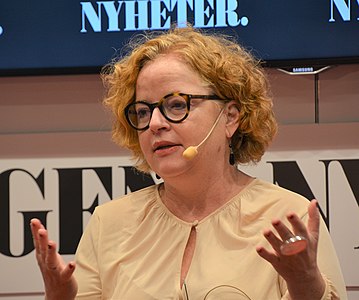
x,y
158,121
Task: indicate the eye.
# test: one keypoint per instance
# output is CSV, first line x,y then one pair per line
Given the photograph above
x,y
176,103
142,112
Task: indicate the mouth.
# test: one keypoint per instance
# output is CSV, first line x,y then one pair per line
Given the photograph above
x,y
163,146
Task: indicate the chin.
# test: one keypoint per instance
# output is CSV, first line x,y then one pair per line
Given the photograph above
x,y
170,169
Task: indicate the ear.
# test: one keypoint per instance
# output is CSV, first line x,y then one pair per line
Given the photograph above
x,y
232,114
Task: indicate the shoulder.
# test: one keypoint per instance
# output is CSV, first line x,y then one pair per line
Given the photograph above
x,y
273,199
117,220
128,206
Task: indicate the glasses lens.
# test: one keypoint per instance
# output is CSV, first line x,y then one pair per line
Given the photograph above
x,y
139,114
175,107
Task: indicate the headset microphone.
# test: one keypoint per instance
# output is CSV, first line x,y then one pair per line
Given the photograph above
x,y
192,151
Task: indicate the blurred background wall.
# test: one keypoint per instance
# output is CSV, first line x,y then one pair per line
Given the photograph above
x,y
62,116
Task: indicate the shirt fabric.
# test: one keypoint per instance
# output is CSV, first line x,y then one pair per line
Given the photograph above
x,y
132,249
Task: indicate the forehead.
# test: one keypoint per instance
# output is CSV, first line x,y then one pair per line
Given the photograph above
x,y
167,74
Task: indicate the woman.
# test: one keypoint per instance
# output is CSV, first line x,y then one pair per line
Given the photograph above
x,y
205,232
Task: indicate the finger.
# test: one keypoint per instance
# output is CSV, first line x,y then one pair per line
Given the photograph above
x,y
68,271
283,231
298,225
52,261
314,218
35,225
273,240
268,256
35,237
43,243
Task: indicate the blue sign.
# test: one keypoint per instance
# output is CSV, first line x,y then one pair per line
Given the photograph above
x,y
39,36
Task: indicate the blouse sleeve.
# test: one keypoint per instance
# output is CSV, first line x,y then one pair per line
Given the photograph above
x,y
328,265
87,265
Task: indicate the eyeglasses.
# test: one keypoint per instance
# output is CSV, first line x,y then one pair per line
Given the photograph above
x,y
174,107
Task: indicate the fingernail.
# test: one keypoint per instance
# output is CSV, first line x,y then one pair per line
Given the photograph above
x,y
276,222
71,265
49,246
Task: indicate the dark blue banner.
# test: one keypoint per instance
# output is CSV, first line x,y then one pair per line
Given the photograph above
x,y
40,35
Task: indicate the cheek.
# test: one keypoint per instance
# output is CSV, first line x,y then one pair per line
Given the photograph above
x,y
143,141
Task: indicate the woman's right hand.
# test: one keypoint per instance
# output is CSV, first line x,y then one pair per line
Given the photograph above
x,y
57,275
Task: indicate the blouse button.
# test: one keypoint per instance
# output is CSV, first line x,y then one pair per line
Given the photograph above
x,y
195,223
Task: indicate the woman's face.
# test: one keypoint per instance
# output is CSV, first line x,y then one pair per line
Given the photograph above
x,y
164,142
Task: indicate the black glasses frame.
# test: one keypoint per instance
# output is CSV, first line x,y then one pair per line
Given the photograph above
x,y
159,104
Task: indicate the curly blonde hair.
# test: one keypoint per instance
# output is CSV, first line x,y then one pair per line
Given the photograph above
x,y
224,65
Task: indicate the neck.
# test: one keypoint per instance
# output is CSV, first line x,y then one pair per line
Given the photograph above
x,y
195,197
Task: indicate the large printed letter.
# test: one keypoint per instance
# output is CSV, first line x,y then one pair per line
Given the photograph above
x,y
232,16
71,204
135,180
351,171
343,9
141,15
112,14
182,11
158,14
93,17
200,13
288,175
27,216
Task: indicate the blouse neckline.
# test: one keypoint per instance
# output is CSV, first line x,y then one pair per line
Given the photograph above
x,y
233,201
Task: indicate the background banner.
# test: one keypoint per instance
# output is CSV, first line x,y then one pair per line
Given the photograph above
x,y
42,34
63,193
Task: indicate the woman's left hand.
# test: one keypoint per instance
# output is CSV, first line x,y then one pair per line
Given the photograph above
x,y
300,271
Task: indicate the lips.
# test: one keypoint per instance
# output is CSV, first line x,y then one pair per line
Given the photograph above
x,y
163,145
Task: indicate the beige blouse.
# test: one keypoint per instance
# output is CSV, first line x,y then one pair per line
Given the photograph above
x,y
132,249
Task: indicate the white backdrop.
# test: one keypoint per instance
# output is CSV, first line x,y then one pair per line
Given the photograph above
x,y
19,275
